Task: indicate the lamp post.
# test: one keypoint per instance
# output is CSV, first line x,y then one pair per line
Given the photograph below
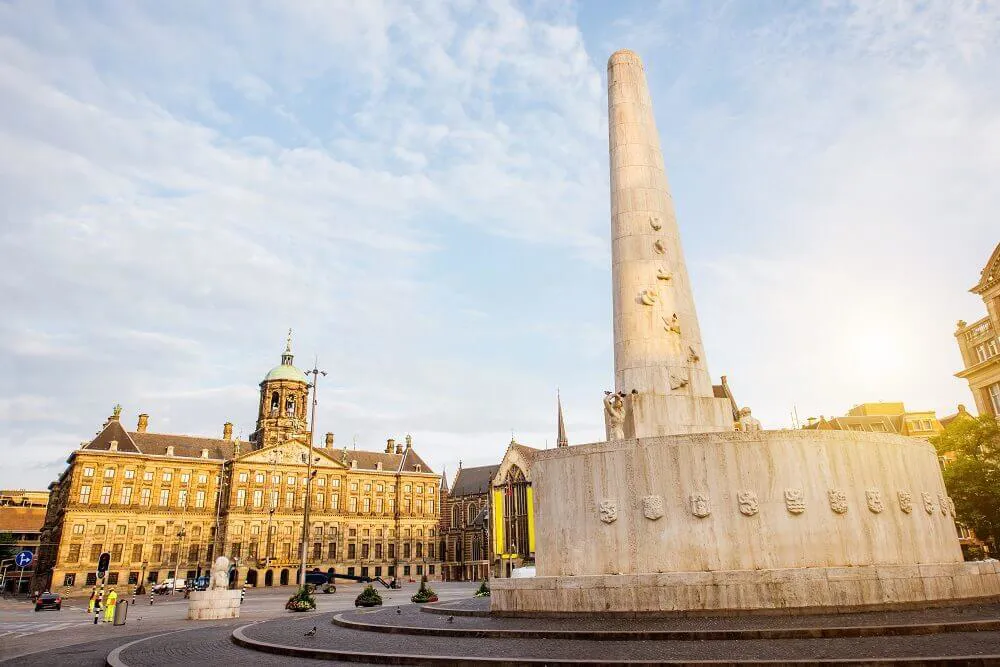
x,y
315,372
180,550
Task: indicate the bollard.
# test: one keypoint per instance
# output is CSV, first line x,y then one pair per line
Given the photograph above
x,y
243,593
150,596
97,605
134,592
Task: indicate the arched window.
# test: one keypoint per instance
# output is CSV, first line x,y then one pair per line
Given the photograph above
x,y
473,511
455,521
275,404
290,406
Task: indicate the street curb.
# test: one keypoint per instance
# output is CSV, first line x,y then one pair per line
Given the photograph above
x,y
679,635
239,638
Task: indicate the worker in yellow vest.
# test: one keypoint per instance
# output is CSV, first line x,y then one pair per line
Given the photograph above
x,y
93,601
109,609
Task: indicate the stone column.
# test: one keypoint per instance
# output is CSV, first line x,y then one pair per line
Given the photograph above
x,y
659,358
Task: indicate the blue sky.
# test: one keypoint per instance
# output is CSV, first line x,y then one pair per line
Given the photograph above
x,y
420,190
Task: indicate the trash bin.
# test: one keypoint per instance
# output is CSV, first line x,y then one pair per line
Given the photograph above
x,y
121,611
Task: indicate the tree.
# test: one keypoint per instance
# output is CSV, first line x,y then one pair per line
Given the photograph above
x,y
971,448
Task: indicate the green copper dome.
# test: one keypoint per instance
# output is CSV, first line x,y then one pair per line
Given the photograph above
x,y
285,370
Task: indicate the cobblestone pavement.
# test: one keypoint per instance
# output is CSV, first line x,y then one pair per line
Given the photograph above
x,y
289,631
49,633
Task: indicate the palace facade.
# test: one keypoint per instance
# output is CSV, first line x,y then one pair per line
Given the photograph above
x,y
162,504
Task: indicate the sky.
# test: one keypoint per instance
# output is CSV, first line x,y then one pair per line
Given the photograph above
x,y
420,191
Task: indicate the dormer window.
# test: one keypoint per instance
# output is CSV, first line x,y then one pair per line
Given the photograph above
x,y
354,464
416,467
378,465
170,450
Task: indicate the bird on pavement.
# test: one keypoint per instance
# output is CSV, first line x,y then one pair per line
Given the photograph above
x,y
451,619
311,633
398,610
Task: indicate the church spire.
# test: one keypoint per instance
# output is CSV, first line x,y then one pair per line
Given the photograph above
x,y
286,357
561,440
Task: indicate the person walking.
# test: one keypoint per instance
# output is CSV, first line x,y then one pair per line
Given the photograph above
x,y
93,600
109,608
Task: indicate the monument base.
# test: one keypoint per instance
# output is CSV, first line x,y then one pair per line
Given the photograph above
x,y
791,590
214,604
648,415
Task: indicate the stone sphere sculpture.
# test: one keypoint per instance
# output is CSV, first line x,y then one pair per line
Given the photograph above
x,y
220,574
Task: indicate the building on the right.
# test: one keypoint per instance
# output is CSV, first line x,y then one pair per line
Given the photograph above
x,y
979,342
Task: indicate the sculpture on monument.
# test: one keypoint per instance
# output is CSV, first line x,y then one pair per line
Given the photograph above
x,y
220,573
748,423
614,415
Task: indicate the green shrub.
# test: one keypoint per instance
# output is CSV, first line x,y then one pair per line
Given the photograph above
x,y
974,552
301,601
369,597
425,594
484,590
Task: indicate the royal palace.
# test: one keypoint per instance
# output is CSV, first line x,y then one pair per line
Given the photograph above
x,y
162,504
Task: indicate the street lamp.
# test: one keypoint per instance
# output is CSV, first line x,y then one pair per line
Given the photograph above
x,y
180,549
315,372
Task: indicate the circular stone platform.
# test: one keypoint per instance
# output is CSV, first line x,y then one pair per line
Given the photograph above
x,y
967,635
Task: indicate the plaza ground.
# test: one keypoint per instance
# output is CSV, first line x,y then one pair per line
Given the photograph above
x,y
69,637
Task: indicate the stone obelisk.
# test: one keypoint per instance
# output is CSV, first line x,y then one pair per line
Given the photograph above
x,y
660,362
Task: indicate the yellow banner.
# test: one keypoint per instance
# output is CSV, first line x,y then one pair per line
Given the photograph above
x,y
531,521
498,522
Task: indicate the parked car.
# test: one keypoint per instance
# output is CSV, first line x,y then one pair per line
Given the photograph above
x,y
201,583
48,601
167,584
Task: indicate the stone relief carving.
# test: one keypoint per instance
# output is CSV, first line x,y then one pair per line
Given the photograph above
x,y
659,247
838,500
672,325
614,416
663,275
648,297
943,503
652,507
951,506
609,511
655,223
678,382
795,502
748,503
905,501
693,356
699,505
928,502
874,498
748,422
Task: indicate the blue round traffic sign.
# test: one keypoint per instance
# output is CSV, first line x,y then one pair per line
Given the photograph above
x,y
23,558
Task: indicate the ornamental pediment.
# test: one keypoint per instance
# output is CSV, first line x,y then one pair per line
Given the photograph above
x,y
291,453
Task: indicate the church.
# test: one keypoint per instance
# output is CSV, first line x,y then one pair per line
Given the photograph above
x,y
162,503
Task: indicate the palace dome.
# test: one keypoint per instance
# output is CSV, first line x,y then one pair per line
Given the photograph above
x,y
286,370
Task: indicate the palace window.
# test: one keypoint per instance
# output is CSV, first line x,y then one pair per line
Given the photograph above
x,y
243,477
366,505
430,507
130,474
354,486
182,498
406,549
368,487
419,506
364,550
199,499
380,488
290,499
994,394
84,494
259,478
116,552
203,479
255,529
105,495
88,472
144,497
406,488
78,529
352,504
335,483
140,530
430,488
147,476
420,488
109,473
69,579
378,505
335,501
274,499
185,478
392,551
73,556
321,481
241,497
136,553
332,551
161,530
392,505
164,497
317,551
258,498
291,480
157,555
320,499
430,550
121,529
378,551
168,476
351,551
95,551
981,353
420,549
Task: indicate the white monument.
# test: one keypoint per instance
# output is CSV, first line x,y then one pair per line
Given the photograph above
x,y
682,509
218,601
